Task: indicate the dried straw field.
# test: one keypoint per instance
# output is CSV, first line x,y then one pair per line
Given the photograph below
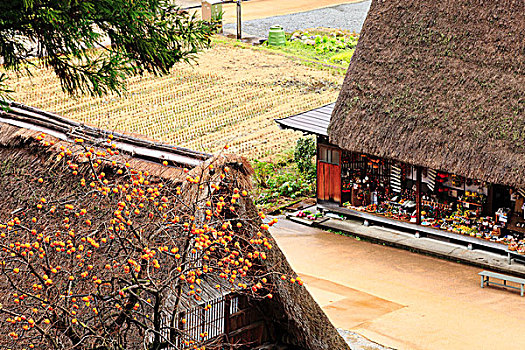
x,y
230,97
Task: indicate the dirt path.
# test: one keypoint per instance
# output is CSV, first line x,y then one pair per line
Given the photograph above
x,y
349,17
255,9
401,299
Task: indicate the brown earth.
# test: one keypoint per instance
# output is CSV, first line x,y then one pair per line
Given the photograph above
x,y
230,96
401,299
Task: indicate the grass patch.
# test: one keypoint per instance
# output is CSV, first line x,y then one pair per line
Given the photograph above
x,y
327,46
342,58
300,53
288,178
341,233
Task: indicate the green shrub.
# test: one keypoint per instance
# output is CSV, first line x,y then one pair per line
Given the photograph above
x,y
263,173
283,178
285,182
342,57
292,175
304,156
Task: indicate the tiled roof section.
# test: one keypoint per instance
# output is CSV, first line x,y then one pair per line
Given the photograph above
x,y
314,121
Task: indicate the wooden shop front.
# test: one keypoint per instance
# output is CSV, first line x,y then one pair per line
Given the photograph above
x,y
414,197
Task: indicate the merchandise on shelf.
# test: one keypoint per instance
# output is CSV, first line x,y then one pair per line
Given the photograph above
x,y
448,202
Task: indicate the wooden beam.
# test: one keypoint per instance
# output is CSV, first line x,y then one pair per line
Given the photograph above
x,y
251,326
418,195
317,169
227,319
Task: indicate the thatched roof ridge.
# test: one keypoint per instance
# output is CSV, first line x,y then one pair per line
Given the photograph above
x,y
294,313
440,84
64,129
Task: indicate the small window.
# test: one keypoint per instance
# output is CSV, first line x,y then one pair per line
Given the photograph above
x,y
335,157
323,154
329,155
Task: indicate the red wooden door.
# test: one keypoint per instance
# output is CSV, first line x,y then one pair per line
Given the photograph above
x,y
335,181
320,180
329,174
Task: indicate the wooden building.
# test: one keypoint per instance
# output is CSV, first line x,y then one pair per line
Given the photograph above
x,y
429,127
223,316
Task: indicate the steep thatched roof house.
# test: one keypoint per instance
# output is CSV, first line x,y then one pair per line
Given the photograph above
x,y
439,84
32,166
429,127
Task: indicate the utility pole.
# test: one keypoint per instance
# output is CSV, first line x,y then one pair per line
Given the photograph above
x,y
239,27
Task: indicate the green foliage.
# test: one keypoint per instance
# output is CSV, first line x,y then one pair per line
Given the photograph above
x,y
273,180
321,45
292,175
304,157
342,57
4,91
217,21
263,172
144,36
287,183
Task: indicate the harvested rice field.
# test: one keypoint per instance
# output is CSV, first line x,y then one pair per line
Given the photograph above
x,y
231,96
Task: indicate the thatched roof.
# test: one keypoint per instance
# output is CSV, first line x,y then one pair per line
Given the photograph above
x,y
64,129
292,314
440,84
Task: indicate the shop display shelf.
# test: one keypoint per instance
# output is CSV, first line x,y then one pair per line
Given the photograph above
x,y
470,203
479,242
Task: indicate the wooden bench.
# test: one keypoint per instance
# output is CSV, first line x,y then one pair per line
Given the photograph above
x,y
486,275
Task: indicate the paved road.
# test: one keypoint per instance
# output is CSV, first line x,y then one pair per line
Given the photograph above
x,y
346,16
254,9
401,299
188,3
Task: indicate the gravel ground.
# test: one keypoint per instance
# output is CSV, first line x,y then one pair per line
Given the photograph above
x,y
188,3
358,342
348,16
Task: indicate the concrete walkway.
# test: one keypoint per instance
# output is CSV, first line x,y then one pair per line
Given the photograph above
x,y
392,237
402,299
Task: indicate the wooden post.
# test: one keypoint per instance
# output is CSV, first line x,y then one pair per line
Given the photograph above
x,y
418,195
239,20
317,169
227,320
341,178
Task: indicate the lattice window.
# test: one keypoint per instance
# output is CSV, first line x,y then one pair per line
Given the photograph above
x,y
200,324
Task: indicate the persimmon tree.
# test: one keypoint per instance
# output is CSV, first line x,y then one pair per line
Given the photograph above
x,y
97,255
92,45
